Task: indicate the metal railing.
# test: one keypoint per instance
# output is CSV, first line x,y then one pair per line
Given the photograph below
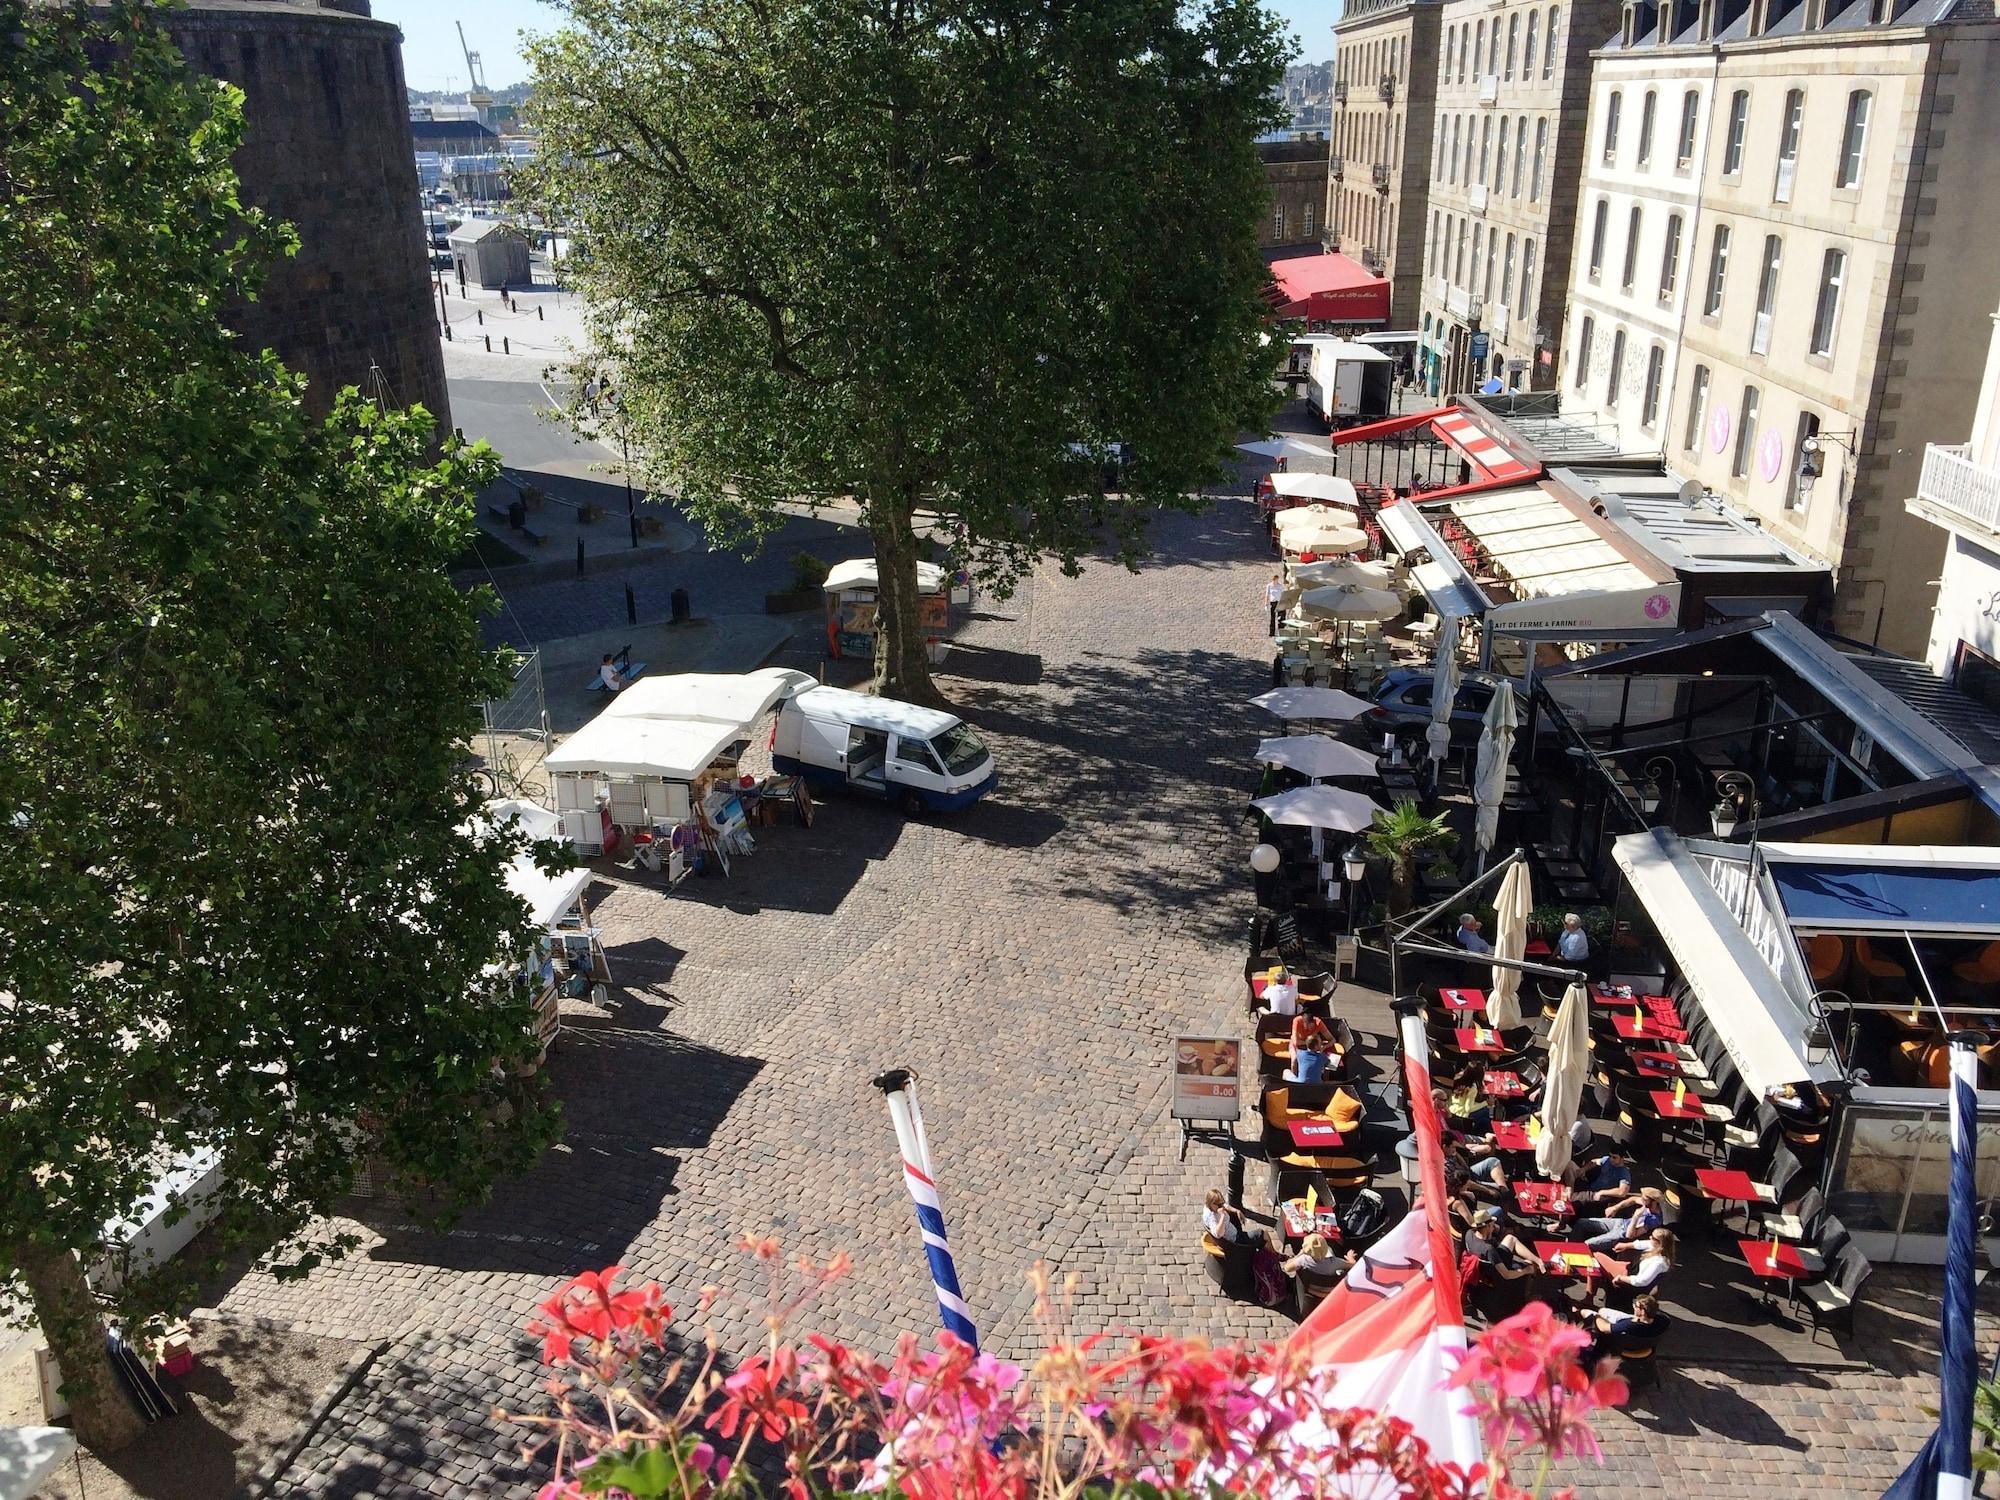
x,y
1335,167
1387,88
1340,93
1953,482
1478,197
1489,89
1381,174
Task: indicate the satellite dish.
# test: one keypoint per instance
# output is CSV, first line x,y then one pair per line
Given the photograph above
x,y
1692,493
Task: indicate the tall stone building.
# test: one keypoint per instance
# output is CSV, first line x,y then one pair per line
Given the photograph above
x,y
1296,172
1783,254
1384,79
1513,89
327,148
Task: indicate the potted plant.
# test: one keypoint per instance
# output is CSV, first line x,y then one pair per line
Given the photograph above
x,y
1398,836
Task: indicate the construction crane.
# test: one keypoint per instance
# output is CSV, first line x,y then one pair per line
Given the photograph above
x,y
477,95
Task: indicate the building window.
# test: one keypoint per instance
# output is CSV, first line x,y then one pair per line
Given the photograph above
x,y
1479,48
1826,313
1690,117
1853,139
1527,307
1612,107
1797,494
1492,256
1767,295
1478,246
1746,434
1458,256
1528,52
1520,153
1541,157
1631,271
1670,259
1513,37
1646,107
1549,42
1507,275
1308,230
1583,352
1718,272
1485,147
1463,50
1450,51
1697,408
1457,122
1278,222
1617,371
1597,238
1739,125
1649,411
1788,146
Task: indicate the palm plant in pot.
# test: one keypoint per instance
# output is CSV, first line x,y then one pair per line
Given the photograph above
x,y
1399,836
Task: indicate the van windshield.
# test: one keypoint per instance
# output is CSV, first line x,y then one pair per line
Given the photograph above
x,y
960,749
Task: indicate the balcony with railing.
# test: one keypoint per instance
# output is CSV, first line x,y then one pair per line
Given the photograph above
x,y
1478,197
1387,88
1962,489
1459,303
1381,175
1340,92
1489,89
1335,168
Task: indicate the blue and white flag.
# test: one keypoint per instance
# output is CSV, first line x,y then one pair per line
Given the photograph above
x,y
1943,1467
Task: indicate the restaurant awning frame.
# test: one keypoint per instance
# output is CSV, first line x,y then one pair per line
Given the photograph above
x,y
1446,585
1755,1016
1492,463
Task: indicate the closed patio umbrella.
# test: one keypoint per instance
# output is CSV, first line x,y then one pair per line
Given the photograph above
x,y
1324,541
1569,1065
1489,779
1444,690
1311,703
1314,575
1312,515
1315,755
1315,487
1510,940
1350,601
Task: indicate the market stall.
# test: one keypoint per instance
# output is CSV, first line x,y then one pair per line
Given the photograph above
x,y
569,961
852,589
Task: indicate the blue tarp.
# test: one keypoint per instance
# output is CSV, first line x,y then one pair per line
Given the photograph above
x,y
1925,898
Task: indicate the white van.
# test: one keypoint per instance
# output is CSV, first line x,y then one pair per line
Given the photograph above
x,y
923,759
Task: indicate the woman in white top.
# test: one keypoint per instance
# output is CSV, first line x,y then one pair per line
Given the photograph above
x,y
1652,1268
1281,995
1224,1221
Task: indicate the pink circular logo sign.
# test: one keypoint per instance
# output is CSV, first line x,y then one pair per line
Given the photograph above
x,y
1718,429
1770,457
1657,607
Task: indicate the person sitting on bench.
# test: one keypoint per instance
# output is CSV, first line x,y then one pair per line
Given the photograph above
x,y
607,673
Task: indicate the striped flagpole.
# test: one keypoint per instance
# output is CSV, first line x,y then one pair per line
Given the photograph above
x,y
897,1086
1961,1372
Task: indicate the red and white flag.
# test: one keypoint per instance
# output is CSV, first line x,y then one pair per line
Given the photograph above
x,y
1394,1330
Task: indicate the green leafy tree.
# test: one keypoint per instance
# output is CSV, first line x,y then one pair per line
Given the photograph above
x,y
239,914
930,257
1399,836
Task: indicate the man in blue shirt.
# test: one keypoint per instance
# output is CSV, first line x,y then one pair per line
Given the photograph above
x,y
1630,1220
1573,944
1468,935
1610,1177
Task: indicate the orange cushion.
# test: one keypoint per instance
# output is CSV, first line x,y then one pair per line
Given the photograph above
x,y
1344,1111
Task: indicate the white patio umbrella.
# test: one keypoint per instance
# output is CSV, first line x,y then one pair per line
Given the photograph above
x,y
1315,755
1489,777
1314,575
1510,941
1312,515
1444,690
1324,541
1569,1065
1315,487
1350,601
1311,703
1289,447
1319,807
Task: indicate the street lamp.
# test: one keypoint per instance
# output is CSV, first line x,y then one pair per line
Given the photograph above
x,y
1354,865
1264,858
1662,785
1737,802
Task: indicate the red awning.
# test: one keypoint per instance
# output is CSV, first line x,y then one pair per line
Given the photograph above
x,y
1329,289
1491,463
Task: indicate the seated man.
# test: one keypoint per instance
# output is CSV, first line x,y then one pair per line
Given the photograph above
x,y
1281,995
1497,1248
1468,935
1630,1221
609,675
1310,1060
1606,1180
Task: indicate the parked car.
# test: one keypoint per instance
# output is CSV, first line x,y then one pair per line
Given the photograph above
x,y
1403,705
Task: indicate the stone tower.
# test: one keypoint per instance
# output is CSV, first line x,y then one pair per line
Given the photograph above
x,y
327,149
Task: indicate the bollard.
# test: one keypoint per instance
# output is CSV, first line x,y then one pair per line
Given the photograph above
x,y
506,344
489,343
579,557
480,313
631,606
541,313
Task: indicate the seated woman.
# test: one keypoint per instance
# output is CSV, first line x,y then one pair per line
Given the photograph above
x,y
1612,1331
1652,1268
1317,1256
1312,1050
1224,1221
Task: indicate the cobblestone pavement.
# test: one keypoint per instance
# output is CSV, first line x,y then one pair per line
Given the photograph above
x,y
1031,960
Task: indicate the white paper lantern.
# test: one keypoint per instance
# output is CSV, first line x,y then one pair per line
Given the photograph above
x,y
1264,859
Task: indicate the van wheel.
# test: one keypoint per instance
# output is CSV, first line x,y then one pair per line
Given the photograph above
x,y
912,805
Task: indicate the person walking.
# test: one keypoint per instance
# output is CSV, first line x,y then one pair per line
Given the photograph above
x,y
1274,596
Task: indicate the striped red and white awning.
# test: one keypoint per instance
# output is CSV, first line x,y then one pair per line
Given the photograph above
x,y
1492,463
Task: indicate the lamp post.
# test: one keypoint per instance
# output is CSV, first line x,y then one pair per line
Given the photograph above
x,y
1658,770
1736,802
1354,865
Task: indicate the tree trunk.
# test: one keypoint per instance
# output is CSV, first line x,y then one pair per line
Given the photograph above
x,y
103,1418
902,663
1402,877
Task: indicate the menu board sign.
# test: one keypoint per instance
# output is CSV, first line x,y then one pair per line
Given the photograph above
x,y
1207,1078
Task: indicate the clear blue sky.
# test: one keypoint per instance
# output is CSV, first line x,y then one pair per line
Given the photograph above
x,y
432,60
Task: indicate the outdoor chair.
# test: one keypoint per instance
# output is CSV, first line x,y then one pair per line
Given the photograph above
x,y
1311,1288
1831,1302
1832,1238
1639,1356
1826,960
1274,1044
1801,1221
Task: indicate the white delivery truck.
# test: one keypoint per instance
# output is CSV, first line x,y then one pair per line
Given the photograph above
x,y
1348,381
922,759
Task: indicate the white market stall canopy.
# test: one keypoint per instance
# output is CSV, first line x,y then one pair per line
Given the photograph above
x,y
709,697
548,896
614,745
1570,578
859,573
1754,1015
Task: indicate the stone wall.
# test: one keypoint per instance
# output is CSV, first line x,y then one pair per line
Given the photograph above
x,y
327,149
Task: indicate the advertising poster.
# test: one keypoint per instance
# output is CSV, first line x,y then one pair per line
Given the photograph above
x,y
1207,1078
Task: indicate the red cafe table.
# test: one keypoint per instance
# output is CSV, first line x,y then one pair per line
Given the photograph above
x,y
1536,948
1512,1135
1297,1223
1664,1065
1568,1258
1648,1030
1788,1264
1689,1108
1498,1083
1314,1135
1458,998
1542,1199
1476,1039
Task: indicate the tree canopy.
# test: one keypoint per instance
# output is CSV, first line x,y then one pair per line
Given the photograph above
x,y
240,911
927,255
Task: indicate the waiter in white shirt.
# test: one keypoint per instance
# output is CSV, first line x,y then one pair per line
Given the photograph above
x,y
1274,595
1281,995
